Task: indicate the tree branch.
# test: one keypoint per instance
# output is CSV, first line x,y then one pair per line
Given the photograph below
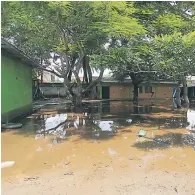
x,y
51,71
94,83
76,76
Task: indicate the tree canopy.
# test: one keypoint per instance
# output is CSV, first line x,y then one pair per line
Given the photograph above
x,y
143,40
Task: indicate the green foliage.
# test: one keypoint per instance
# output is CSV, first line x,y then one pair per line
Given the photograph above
x,y
159,35
175,55
169,23
117,19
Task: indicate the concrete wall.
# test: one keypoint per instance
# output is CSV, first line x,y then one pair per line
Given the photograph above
x,y
125,91
47,78
49,91
160,91
119,92
16,88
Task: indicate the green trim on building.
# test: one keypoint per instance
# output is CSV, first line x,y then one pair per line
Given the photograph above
x,y
100,91
16,87
16,82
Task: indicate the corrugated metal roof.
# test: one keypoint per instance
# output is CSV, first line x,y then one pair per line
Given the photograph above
x,y
15,52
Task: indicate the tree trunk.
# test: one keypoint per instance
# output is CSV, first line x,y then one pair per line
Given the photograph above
x,y
135,81
88,69
93,93
77,100
70,75
94,83
135,108
178,98
42,77
85,70
185,91
135,92
77,95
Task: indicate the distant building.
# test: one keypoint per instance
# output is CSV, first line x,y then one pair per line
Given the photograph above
x,y
109,88
49,77
191,86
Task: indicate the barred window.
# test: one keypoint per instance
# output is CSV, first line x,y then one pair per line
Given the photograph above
x,y
148,89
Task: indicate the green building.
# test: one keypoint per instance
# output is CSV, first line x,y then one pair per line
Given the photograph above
x,y
16,82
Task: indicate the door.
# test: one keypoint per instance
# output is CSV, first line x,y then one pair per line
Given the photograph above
x,y
105,92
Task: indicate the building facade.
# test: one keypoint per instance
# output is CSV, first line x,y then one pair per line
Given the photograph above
x,y
114,90
48,77
16,82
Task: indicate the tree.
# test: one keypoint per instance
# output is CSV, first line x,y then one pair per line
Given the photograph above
x,y
136,58
175,57
132,60
68,32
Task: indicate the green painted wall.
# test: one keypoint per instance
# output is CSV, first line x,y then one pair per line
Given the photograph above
x,y
16,84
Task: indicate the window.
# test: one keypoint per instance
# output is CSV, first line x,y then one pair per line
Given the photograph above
x,y
148,89
52,78
140,90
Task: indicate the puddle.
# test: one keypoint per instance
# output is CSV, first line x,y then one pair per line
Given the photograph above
x,y
54,133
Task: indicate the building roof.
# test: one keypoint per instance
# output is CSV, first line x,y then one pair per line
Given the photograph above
x,y
17,53
113,80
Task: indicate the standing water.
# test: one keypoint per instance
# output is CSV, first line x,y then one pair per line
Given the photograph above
x,y
104,132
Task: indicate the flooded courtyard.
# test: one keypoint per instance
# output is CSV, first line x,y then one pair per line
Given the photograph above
x,y
62,151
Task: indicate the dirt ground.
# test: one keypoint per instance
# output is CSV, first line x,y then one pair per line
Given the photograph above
x,y
107,182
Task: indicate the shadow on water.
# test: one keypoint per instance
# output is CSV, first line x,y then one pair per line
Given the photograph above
x,y
103,120
167,140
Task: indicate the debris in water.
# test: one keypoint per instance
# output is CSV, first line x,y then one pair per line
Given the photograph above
x,y
39,149
7,164
189,139
111,152
69,173
11,126
49,145
30,178
38,136
129,120
142,133
55,141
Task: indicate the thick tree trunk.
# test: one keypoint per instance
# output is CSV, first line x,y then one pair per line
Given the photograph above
x,y
77,100
135,81
93,93
85,70
135,92
135,108
77,95
185,91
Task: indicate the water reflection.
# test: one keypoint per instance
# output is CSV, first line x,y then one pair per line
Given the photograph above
x,y
103,120
191,119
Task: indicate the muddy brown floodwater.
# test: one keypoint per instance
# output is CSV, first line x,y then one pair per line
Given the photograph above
x,y
98,151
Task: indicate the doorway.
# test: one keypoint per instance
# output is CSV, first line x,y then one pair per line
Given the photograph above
x,y
105,92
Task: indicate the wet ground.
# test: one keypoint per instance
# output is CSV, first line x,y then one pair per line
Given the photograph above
x,y
101,138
